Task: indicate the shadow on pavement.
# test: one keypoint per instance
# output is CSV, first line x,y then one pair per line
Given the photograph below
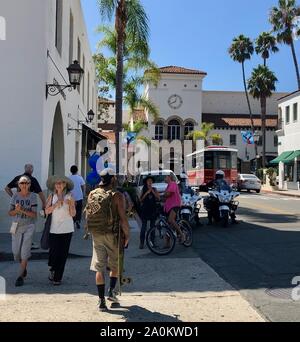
x,y
136,313
267,217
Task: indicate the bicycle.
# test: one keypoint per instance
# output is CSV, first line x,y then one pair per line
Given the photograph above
x,y
161,239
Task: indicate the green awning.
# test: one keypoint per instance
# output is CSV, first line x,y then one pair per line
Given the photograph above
x,y
282,157
290,159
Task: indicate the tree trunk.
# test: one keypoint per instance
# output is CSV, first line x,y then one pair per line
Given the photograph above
x,y
120,29
263,102
296,63
250,112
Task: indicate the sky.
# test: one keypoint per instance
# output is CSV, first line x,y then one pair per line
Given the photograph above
x,y
196,34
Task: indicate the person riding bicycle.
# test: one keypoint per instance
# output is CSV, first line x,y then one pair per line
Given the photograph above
x,y
218,183
172,205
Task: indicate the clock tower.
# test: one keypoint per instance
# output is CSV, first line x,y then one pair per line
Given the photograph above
x,y
178,97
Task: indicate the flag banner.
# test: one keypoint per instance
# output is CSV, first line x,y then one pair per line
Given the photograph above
x,y
247,137
131,137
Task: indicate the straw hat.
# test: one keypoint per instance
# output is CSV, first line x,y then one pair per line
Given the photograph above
x,y
54,179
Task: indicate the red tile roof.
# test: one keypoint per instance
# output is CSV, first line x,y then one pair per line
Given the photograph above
x,y
179,70
104,100
238,120
109,136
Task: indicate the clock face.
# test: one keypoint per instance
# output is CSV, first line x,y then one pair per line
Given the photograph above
x,y
175,101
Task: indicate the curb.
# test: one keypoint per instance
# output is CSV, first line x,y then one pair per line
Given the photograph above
x,y
283,193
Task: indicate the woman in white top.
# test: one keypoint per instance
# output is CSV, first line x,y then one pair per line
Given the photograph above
x,y
62,207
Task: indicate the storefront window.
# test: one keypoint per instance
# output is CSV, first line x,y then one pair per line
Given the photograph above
x,y
298,171
289,173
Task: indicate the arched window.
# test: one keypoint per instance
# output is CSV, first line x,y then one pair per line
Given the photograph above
x,y
159,131
188,128
174,130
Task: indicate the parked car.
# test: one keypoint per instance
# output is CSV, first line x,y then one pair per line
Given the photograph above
x,y
159,180
248,182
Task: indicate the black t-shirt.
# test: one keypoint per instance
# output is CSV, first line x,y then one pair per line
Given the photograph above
x,y
148,209
35,186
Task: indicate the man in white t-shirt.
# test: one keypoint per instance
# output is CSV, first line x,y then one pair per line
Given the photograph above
x,y
77,194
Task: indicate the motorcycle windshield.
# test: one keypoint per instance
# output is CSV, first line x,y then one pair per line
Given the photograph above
x,y
224,186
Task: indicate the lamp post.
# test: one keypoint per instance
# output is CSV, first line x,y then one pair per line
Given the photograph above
x,y
75,73
256,137
89,119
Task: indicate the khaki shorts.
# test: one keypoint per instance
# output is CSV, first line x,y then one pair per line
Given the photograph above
x,y
22,241
105,253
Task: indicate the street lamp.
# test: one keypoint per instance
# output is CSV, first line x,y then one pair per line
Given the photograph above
x,y
90,116
75,73
89,119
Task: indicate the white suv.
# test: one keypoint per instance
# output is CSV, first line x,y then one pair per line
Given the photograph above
x,y
159,180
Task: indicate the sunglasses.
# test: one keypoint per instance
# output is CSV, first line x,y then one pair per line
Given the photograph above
x,y
24,183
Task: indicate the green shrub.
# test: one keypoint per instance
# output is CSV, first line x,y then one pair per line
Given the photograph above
x,y
272,173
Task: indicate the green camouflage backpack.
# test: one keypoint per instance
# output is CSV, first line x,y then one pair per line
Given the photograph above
x,y
98,211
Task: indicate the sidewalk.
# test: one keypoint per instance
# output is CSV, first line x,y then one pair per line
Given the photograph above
x,y
290,193
179,287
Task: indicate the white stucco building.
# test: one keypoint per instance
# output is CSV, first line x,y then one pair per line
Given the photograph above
x,y
184,105
229,112
42,40
289,141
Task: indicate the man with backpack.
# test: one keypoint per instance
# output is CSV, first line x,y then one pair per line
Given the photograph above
x,y
108,224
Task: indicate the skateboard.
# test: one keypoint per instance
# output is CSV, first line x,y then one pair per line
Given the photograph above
x,y
123,280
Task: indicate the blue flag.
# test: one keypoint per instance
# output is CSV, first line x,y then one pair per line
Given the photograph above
x,y
247,137
131,137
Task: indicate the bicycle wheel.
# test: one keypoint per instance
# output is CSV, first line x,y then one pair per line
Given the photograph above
x,y
188,231
160,240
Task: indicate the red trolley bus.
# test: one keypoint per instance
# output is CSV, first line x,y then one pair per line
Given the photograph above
x,y
202,165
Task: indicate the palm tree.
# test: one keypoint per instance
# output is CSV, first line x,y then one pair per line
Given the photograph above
x,y
283,20
130,18
204,134
217,139
135,100
241,50
265,45
136,127
261,85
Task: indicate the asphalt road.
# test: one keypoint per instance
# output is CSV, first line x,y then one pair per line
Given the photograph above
x,y
261,255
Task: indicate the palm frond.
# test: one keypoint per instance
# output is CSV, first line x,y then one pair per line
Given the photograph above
x,y
145,139
262,82
137,21
107,8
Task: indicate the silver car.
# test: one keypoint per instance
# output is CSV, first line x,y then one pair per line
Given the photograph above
x,y
159,180
248,182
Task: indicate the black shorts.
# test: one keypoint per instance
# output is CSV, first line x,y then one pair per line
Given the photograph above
x,y
176,209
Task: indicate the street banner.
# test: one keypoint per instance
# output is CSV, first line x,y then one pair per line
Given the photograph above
x,y
247,137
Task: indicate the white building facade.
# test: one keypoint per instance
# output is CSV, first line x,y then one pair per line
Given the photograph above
x,y
289,142
42,39
184,106
229,112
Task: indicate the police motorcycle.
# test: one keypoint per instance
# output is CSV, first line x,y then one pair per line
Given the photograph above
x,y
190,206
221,205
